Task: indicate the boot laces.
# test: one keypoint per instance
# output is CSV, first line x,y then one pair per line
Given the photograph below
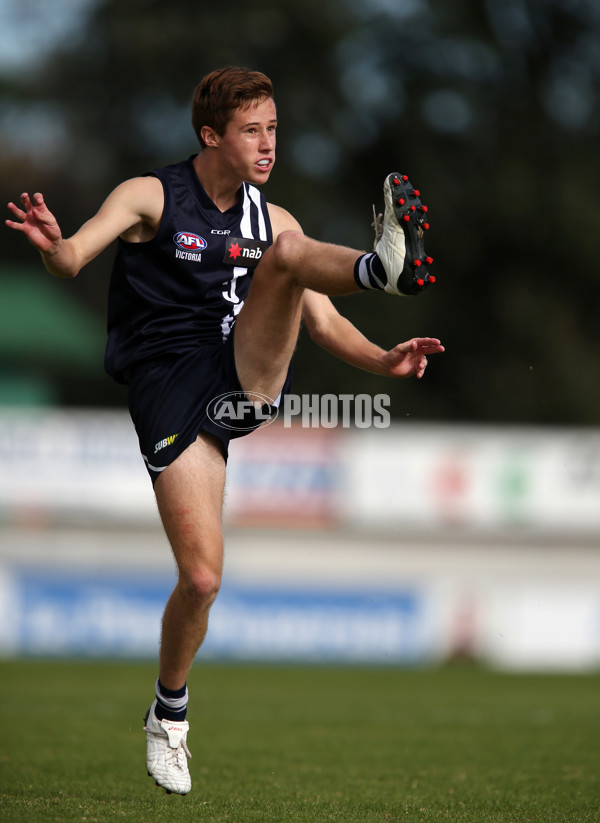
x,y
175,758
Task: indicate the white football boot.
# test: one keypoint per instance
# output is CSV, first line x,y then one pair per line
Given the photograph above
x,y
167,753
399,237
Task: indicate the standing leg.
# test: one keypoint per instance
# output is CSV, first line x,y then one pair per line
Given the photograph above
x,y
189,494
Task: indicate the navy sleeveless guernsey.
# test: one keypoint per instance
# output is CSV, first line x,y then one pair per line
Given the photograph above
x,y
175,292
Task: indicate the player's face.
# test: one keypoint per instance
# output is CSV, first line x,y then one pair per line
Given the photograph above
x,y
248,145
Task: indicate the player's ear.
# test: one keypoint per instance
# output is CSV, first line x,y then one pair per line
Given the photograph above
x,y
210,136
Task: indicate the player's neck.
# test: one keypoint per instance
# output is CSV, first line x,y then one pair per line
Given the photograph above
x,y
223,189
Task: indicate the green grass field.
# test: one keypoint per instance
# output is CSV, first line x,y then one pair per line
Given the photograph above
x,y
303,744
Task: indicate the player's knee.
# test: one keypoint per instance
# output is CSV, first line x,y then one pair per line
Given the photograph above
x,y
201,585
287,250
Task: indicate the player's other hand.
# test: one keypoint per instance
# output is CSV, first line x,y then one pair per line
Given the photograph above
x,y
410,359
36,222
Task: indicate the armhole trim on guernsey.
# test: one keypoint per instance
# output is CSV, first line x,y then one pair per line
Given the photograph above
x,y
164,219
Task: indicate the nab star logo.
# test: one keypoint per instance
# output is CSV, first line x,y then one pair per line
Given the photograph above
x,y
189,241
235,251
244,252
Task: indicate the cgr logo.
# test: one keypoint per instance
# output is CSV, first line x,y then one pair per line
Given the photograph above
x,y
189,241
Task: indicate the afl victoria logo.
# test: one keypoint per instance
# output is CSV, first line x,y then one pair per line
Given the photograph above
x,y
189,241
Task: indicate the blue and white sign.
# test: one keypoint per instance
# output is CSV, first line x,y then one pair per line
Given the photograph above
x,y
96,616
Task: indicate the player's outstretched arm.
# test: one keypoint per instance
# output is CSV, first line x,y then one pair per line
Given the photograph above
x,y
37,223
340,337
132,210
410,359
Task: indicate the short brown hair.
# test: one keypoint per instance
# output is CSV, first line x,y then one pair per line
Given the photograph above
x,y
221,92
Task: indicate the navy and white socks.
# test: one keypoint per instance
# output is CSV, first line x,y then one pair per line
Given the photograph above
x,y
171,704
369,272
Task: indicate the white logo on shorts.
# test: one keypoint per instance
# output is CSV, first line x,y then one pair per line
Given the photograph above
x,y
232,409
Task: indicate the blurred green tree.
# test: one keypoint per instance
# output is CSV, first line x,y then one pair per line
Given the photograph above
x,y
491,107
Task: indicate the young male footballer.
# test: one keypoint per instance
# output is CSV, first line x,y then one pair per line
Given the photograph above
x,y
208,290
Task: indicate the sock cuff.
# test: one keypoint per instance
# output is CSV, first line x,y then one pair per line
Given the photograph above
x,y
369,272
357,271
171,704
173,698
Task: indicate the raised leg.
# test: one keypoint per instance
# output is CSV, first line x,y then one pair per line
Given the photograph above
x,y
267,327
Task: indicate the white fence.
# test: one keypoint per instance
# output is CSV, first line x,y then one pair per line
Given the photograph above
x,y
408,545
73,465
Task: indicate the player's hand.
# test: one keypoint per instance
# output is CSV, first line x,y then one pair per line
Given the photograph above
x,y
36,222
410,359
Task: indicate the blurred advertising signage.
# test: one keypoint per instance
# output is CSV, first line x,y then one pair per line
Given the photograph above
x,y
71,463
285,476
100,615
322,625
475,477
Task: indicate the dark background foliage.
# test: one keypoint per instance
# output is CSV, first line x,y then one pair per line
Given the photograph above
x,y
490,107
